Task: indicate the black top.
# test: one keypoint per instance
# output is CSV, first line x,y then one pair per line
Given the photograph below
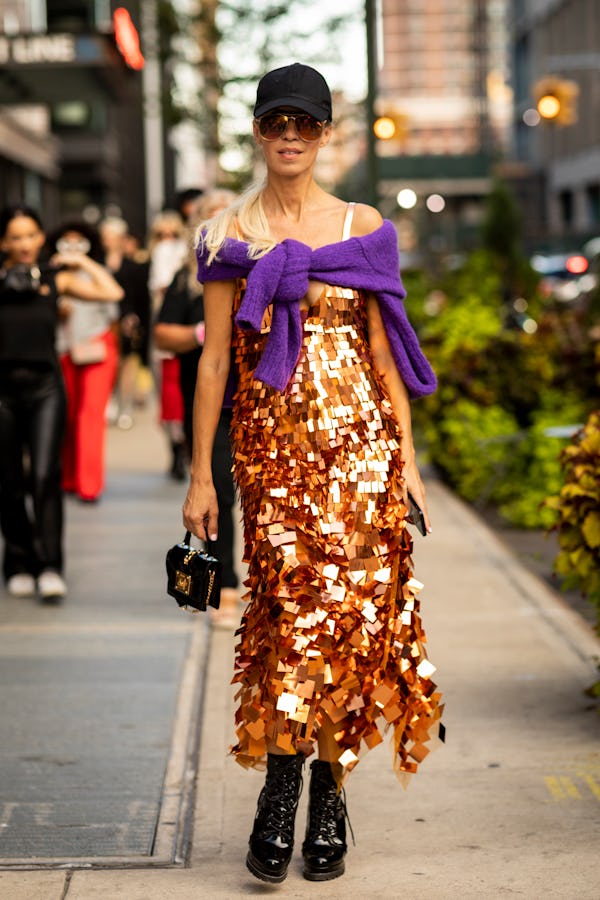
x,y
133,278
181,306
28,320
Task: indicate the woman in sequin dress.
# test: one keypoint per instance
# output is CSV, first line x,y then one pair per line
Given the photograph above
x,y
330,651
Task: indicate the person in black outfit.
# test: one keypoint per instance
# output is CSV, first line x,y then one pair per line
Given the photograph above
x,y
32,398
186,202
180,329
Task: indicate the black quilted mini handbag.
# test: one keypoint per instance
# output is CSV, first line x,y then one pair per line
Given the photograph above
x,y
193,576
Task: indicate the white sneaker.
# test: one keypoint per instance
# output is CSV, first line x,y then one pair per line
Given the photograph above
x,y
21,585
51,586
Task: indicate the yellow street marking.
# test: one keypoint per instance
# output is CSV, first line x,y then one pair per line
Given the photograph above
x,y
563,787
554,787
592,784
570,789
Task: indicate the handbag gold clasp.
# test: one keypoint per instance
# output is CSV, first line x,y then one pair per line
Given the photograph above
x,y
183,582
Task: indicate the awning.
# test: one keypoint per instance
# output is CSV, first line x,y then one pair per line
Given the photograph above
x,y
48,68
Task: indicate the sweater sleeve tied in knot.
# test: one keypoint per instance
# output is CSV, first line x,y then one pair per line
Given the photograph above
x,y
281,277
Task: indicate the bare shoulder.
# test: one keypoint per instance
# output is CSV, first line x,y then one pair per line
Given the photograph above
x,y
366,219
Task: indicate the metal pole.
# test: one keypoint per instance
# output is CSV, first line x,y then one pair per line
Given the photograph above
x,y
372,173
153,124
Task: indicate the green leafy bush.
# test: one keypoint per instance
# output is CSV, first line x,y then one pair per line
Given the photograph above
x,y
537,463
471,447
576,513
500,388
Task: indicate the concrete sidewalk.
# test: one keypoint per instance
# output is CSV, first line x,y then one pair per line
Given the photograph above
x,y
511,804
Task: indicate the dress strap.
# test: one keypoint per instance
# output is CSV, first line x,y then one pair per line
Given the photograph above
x,y
348,221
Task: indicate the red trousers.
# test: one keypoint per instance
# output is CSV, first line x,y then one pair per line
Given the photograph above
x,y
171,400
88,388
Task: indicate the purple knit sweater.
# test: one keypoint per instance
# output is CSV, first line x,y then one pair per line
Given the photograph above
x,y
282,276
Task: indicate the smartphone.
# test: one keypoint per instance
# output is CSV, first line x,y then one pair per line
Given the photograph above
x,y
415,515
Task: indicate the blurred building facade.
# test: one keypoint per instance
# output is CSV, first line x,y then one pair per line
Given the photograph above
x,y
71,108
347,143
442,78
558,41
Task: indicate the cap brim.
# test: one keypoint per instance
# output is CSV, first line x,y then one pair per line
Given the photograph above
x,y
297,103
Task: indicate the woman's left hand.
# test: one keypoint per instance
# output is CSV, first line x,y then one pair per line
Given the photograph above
x,y
414,485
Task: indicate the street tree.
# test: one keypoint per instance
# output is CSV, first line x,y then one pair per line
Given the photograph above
x,y
238,42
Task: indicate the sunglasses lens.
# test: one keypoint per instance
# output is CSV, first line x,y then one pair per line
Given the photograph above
x,y
272,127
308,128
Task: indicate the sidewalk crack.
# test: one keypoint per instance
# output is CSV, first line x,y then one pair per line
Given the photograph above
x,y
66,885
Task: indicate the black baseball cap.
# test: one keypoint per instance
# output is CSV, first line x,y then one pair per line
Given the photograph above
x,y
296,85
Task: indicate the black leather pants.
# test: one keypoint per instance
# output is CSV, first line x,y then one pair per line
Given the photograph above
x,y
32,421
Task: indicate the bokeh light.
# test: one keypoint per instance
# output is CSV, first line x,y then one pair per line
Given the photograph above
x,y
406,198
384,128
576,265
531,117
435,203
548,106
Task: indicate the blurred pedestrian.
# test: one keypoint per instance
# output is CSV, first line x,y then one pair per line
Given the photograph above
x,y
135,317
32,397
133,248
180,330
330,649
168,247
89,356
187,201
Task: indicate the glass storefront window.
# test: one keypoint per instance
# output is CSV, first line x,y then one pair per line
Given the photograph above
x,y
76,115
71,15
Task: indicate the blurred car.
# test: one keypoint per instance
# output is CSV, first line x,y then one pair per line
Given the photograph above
x,y
564,276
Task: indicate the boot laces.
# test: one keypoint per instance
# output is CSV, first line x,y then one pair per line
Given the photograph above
x,y
324,814
281,800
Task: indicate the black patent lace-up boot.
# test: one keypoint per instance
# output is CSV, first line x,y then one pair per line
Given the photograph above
x,y
272,838
325,845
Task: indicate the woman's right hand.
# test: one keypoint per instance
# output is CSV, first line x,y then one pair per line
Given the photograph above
x,y
69,259
201,510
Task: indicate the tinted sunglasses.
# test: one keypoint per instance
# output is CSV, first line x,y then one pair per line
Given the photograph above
x,y
272,126
79,245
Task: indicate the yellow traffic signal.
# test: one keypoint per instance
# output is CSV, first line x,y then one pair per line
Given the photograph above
x,y
548,106
556,99
391,125
384,128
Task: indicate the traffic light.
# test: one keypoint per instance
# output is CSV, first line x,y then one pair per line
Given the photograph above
x,y
391,126
384,128
556,99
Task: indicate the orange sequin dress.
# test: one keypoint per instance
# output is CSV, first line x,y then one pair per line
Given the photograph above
x,y
332,631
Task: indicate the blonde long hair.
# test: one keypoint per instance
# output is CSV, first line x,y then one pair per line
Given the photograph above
x,y
252,222
205,209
